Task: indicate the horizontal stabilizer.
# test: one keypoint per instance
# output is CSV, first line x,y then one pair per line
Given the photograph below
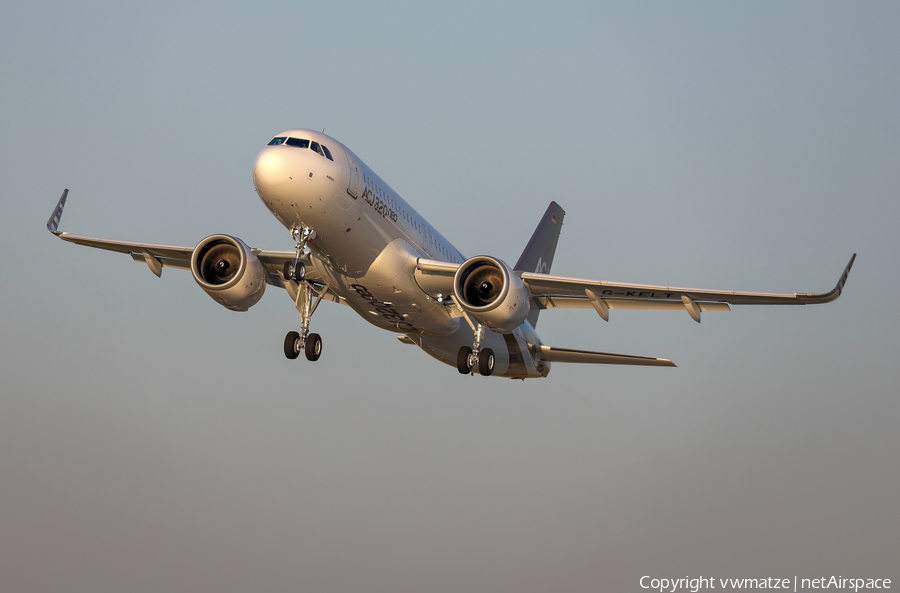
x,y
551,354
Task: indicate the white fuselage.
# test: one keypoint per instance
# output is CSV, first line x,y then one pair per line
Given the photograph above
x,y
368,240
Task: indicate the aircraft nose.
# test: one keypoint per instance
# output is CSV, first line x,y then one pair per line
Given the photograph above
x,y
273,171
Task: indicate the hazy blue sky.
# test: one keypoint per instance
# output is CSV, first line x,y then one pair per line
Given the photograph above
x,y
153,441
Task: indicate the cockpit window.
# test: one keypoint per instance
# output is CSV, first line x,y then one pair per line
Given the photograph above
x,y
303,143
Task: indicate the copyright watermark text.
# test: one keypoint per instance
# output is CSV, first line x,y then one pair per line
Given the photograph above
x,y
695,584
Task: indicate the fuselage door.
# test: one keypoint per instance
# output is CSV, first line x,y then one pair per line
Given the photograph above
x,y
353,188
429,241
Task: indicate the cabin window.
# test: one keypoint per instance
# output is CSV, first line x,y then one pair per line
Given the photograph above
x,y
297,142
277,141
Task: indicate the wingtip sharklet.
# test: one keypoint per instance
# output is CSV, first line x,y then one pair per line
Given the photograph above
x,y
843,280
833,294
53,222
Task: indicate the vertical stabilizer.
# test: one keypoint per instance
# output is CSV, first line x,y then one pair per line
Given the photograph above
x,y
538,254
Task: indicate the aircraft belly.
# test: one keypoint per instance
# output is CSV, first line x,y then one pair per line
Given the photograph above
x,y
512,357
389,297
387,294
397,312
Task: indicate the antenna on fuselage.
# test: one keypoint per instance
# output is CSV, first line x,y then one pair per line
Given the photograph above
x,y
323,130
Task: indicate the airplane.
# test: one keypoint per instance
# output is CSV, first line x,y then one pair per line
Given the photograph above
x,y
358,243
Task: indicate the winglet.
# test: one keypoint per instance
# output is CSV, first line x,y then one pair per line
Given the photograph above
x,y
53,223
840,284
834,293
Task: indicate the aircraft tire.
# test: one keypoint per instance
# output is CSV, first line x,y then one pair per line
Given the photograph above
x,y
290,345
462,360
292,273
313,347
486,361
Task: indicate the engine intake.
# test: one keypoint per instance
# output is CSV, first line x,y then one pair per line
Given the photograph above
x,y
489,290
228,271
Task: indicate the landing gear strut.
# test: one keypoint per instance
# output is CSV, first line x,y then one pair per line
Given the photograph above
x,y
469,358
307,299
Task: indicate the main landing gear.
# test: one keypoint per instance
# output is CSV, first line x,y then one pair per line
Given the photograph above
x,y
307,299
293,344
469,358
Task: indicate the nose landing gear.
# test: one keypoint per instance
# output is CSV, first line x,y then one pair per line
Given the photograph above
x,y
295,270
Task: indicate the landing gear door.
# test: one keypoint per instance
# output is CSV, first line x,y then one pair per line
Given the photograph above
x,y
353,188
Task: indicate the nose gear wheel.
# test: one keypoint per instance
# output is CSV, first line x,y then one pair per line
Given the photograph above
x,y
294,271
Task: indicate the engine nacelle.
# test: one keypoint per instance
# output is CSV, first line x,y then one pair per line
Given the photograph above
x,y
229,272
488,290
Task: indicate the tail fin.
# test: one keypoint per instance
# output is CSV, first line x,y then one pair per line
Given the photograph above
x,y
538,254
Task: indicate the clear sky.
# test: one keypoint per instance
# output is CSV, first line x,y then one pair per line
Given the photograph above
x,y
151,440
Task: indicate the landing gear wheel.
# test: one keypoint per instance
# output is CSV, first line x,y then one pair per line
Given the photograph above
x,y
292,345
486,362
462,360
292,272
313,347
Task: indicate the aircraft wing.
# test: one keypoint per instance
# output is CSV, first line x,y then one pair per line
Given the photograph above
x,y
171,256
559,292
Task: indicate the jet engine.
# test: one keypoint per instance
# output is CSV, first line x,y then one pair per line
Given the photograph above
x,y
229,272
488,290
